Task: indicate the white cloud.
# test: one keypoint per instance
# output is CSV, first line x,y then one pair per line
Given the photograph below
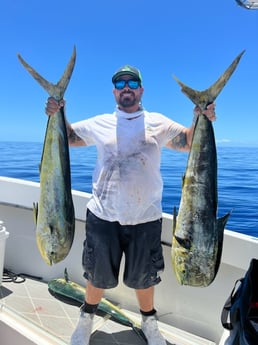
x,y
222,141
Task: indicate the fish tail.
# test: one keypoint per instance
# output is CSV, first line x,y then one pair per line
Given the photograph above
x,y
204,98
54,90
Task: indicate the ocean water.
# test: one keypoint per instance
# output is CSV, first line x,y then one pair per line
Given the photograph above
x,y
237,177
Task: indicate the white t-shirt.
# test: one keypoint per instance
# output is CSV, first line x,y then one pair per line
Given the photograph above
x,y
127,183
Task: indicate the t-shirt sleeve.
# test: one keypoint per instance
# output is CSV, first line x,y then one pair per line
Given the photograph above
x,y
83,130
174,129
170,129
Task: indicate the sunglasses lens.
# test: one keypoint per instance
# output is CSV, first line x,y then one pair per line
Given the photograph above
x,y
133,84
120,84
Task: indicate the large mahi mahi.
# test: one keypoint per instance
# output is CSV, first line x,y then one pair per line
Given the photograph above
x,y
54,214
197,233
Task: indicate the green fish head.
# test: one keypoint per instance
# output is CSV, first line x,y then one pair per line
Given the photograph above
x,y
193,268
51,248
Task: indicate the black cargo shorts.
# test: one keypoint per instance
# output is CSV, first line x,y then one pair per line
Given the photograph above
x,y
105,244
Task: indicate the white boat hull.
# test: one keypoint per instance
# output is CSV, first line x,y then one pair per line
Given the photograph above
x,y
195,310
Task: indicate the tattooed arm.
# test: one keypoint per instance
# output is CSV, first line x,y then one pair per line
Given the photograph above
x,y
52,106
73,138
183,141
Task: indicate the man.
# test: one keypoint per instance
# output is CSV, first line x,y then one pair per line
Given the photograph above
x,y
124,213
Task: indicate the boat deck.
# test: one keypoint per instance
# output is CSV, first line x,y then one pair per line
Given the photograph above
x,y
29,300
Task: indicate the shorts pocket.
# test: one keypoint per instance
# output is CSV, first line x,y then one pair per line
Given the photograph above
x,y
88,260
157,266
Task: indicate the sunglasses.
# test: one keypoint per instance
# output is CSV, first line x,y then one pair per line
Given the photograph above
x,y
132,84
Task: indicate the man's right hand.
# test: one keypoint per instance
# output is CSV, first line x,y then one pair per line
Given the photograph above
x,y
53,106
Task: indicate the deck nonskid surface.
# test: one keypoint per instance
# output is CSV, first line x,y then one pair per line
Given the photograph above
x,y
31,300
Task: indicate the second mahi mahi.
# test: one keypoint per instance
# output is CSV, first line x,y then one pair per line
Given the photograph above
x,y
54,214
197,233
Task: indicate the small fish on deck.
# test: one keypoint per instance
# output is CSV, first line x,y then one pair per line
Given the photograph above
x,y
66,290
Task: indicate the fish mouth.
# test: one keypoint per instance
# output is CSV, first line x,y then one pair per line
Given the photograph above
x,y
52,258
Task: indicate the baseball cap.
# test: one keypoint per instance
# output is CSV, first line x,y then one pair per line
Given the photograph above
x,y
127,70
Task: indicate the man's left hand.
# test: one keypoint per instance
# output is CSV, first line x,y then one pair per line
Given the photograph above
x,y
209,112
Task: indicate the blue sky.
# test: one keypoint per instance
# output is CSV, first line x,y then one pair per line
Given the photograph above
x,y
194,40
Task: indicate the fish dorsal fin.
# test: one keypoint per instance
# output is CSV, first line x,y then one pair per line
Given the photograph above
x,y
203,98
66,276
54,90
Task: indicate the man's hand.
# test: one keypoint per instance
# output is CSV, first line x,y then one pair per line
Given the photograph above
x,y
53,106
209,112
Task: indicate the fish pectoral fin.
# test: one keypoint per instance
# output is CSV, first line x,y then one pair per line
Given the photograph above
x,y
51,229
183,242
35,212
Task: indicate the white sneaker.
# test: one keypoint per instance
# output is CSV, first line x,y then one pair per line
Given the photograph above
x,y
82,332
151,331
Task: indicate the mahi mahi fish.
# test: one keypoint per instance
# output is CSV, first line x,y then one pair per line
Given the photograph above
x,y
197,232
54,213
66,290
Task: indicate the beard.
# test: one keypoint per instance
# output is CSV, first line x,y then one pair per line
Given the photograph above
x,y
127,99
